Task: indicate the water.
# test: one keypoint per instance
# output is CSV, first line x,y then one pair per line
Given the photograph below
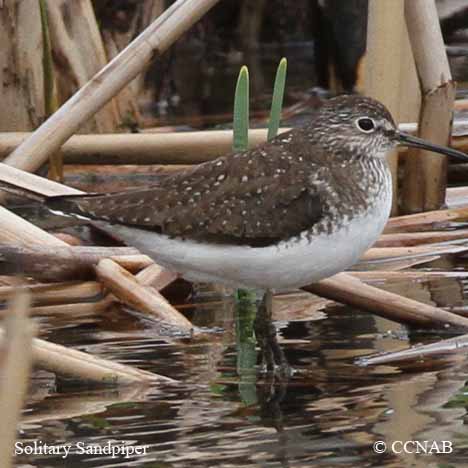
x,y
329,413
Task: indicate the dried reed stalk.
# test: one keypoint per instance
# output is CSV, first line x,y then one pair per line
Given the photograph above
x,y
22,83
161,148
16,230
56,293
65,262
153,41
70,362
430,219
407,239
382,276
350,290
17,347
164,148
31,182
386,43
460,142
132,263
69,24
54,358
68,297
457,197
141,148
424,182
381,253
74,310
143,298
155,276
69,405
395,264
417,353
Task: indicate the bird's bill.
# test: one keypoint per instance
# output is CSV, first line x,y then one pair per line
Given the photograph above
x,y
409,140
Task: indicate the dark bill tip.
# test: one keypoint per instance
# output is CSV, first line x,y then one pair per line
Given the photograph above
x,y
414,142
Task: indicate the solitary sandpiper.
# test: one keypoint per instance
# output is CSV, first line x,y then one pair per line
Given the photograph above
x,y
289,212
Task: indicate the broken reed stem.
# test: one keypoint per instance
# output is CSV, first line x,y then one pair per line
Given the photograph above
x,y
407,239
155,276
106,84
381,253
396,264
33,183
413,275
385,49
56,293
74,298
460,142
145,299
19,343
457,197
65,262
17,349
16,230
57,359
70,362
132,263
419,352
74,310
350,290
419,221
68,405
424,181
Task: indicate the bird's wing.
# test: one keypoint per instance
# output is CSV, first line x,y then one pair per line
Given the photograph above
x,y
253,197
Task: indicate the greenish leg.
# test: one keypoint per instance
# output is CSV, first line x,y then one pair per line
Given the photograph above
x,y
265,332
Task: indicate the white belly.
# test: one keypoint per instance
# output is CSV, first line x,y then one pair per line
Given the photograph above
x,y
288,265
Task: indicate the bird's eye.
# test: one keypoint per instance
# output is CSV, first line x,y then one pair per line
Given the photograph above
x,y
365,124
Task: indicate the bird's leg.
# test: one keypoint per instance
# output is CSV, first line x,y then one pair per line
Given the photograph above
x,y
265,332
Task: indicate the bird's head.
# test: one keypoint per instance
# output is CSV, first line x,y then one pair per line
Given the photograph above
x,y
360,126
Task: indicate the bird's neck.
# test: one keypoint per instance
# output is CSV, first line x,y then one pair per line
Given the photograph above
x,y
362,183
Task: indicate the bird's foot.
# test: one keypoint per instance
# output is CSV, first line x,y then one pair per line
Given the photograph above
x,y
273,357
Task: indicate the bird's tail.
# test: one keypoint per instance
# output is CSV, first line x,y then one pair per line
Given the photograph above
x,y
22,192
58,204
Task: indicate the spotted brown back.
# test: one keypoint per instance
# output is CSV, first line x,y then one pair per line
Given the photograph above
x,y
256,197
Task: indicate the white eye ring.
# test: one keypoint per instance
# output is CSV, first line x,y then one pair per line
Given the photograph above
x,y
366,124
